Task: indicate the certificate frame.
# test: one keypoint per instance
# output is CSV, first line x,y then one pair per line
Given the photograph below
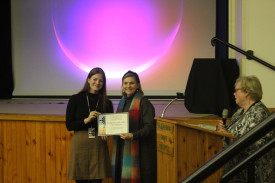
x,y
113,123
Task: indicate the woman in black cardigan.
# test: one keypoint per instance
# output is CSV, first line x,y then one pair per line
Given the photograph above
x,y
89,158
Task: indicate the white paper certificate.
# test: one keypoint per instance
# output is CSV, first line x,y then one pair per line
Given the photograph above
x,y
113,124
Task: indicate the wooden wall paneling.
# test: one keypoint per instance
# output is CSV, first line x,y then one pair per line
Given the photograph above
x,y
5,165
30,166
50,153
12,154
175,160
1,152
33,151
6,149
58,152
4,152
68,147
43,153
63,154
37,141
7,157
53,152
21,151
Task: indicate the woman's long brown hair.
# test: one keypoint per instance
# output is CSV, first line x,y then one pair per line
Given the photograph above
x,y
102,94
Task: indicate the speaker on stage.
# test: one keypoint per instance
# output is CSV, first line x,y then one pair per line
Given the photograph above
x,y
210,86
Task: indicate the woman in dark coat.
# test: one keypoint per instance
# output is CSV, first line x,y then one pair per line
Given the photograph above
x,y
134,157
89,158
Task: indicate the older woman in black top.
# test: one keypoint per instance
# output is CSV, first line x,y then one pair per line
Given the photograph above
x,y
89,158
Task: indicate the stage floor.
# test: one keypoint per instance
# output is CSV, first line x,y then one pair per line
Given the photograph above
x,y
58,107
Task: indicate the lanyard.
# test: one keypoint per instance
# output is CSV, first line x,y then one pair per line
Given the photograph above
x,y
89,103
242,115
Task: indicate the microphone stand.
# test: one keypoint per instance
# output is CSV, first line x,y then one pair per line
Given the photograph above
x,y
179,96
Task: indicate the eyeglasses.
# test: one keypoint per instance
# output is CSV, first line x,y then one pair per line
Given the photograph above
x,y
236,89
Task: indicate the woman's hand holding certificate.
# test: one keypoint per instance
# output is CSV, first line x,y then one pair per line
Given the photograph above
x,y
113,124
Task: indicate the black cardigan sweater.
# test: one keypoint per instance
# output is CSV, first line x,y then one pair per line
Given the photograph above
x,y
78,110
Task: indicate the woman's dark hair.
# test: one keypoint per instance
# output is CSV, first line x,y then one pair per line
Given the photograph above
x,y
135,76
102,94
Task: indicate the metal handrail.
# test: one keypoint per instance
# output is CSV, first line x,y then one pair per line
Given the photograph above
x,y
251,158
230,151
248,53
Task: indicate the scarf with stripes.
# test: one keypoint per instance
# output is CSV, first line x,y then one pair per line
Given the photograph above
x,y
125,156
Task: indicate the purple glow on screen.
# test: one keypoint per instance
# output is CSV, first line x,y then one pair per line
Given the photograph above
x,y
116,35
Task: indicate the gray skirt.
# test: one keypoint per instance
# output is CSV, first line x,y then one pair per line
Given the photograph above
x,y
89,158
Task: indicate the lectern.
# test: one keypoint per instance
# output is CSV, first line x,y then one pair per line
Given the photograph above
x,y
184,144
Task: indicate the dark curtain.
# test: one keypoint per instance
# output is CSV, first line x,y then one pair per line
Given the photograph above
x,y
6,75
210,86
221,51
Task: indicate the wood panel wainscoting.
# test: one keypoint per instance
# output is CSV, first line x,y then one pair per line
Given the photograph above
x,y
35,149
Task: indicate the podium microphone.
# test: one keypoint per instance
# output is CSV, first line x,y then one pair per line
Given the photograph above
x,y
179,96
224,116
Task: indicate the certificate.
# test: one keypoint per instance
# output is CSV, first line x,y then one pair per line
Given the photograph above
x,y
113,124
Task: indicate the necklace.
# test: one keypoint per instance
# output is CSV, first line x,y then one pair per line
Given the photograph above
x,y
89,103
